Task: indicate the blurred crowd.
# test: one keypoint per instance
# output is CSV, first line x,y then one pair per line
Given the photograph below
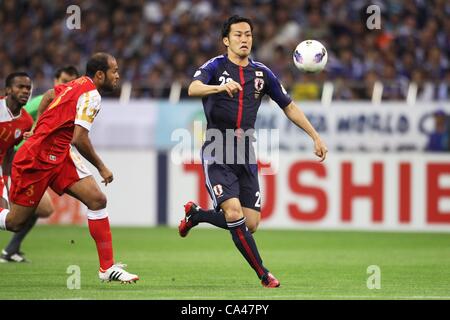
x,y
161,42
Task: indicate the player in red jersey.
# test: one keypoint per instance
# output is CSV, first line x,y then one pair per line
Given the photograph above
x,y
14,122
46,159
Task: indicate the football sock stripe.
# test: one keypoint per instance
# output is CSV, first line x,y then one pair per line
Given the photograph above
x,y
244,241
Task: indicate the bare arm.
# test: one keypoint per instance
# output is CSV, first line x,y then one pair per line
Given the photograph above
x,y
83,144
45,102
199,89
297,116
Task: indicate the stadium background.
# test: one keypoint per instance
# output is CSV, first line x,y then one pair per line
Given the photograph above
x,y
385,94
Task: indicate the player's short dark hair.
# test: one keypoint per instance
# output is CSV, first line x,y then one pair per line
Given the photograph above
x,y
98,62
70,70
10,78
233,20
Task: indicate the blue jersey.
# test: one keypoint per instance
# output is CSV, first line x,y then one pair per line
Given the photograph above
x,y
225,112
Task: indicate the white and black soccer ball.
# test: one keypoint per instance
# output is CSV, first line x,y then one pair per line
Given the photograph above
x,y
310,56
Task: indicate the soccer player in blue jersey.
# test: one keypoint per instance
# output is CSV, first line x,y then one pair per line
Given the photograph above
x,y
232,86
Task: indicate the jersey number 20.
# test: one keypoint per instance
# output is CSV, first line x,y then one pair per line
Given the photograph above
x,y
224,80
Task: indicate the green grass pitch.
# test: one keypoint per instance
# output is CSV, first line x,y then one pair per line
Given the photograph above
x,y
206,265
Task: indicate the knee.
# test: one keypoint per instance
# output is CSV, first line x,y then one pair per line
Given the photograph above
x,y
14,225
97,202
252,226
233,214
45,212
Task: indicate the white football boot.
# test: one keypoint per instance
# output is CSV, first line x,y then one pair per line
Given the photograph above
x,y
5,257
117,273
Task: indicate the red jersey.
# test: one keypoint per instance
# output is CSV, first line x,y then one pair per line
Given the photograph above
x,y
12,128
76,103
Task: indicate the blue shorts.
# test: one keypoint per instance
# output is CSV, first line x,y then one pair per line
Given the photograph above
x,y
226,181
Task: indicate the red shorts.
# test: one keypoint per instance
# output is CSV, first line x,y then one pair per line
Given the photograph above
x,y
30,177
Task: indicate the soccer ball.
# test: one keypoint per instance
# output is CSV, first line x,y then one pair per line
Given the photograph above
x,y
310,56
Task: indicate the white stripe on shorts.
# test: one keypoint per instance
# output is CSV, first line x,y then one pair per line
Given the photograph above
x,y
208,183
82,170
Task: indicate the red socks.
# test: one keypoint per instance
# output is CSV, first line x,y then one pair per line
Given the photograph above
x,y
101,233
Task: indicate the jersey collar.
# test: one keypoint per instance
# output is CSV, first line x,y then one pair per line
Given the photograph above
x,y
236,65
8,112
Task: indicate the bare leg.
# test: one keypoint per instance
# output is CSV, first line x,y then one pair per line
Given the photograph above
x,y
252,218
45,207
87,191
17,217
43,210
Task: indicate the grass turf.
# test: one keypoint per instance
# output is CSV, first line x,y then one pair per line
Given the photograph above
x,y
206,265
